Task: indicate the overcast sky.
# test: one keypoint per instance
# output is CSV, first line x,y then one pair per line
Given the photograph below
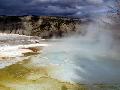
x,y
54,7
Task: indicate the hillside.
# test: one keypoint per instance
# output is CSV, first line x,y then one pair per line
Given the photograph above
x,y
43,26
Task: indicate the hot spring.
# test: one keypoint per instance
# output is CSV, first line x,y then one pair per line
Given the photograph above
x,y
70,63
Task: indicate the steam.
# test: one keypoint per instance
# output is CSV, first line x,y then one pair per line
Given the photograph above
x,y
90,58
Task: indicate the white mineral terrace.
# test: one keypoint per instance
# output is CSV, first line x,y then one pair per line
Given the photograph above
x,y
11,54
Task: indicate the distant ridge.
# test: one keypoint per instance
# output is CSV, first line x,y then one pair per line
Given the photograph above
x,y
42,26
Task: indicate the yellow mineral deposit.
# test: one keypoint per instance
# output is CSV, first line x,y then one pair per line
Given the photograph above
x,y
23,75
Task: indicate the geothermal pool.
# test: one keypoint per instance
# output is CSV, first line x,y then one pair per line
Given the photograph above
x,y
69,64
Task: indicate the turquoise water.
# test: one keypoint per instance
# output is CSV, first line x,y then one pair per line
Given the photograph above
x,y
85,61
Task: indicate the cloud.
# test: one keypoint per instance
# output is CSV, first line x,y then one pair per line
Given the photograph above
x,y
96,1
49,7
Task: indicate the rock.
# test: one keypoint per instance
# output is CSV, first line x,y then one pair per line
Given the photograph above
x,y
42,26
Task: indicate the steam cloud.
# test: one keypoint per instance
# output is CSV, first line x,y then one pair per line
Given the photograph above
x,y
92,57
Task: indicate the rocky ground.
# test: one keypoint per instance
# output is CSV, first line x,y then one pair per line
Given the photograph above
x,y
16,39
14,48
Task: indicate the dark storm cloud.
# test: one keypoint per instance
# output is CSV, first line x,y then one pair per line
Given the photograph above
x,y
51,7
